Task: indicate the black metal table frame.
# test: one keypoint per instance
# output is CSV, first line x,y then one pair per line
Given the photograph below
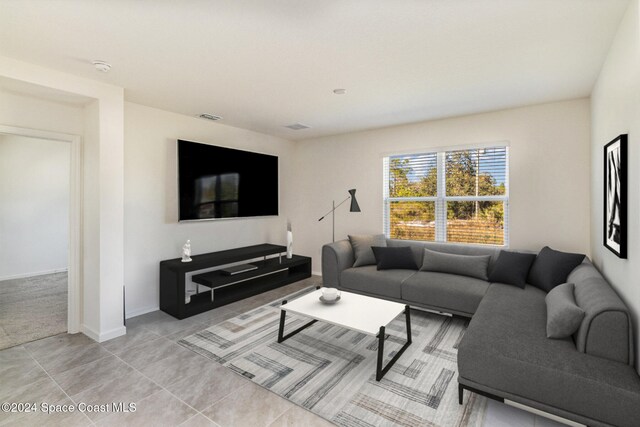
x,y
380,370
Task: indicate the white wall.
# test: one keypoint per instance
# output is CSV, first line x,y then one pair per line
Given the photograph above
x,y
101,125
549,174
34,206
152,232
28,111
616,110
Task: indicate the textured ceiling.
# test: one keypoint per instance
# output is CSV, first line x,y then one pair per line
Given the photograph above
x,y
266,64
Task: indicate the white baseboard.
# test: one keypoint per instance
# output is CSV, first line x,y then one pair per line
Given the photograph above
x,y
37,273
140,311
104,336
316,273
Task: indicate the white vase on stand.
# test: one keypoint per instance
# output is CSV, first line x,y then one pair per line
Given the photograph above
x,y
289,241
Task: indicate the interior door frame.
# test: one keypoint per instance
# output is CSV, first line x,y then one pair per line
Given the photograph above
x,y
74,308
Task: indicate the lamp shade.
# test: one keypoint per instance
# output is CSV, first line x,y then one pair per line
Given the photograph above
x,y
354,203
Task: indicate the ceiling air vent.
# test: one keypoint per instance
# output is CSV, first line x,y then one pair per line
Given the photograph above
x,y
210,117
297,126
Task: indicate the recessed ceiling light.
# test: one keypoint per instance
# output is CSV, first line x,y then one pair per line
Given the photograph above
x,y
210,117
339,91
297,126
102,66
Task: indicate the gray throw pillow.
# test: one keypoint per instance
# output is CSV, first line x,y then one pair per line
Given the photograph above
x,y
392,258
464,265
563,314
361,245
512,268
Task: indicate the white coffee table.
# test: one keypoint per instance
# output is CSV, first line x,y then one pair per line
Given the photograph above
x,y
357,312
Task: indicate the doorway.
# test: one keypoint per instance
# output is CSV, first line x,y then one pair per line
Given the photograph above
x,y
39,235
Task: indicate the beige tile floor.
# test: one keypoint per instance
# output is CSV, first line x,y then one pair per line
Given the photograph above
x,y
169,384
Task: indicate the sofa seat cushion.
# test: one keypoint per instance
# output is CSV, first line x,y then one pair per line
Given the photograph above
x,y
445,292
505,348
370,281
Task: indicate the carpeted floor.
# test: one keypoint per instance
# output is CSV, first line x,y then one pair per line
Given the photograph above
x,y
32,308
330,370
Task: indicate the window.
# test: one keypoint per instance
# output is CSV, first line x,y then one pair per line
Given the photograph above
x,y
217,195
459,196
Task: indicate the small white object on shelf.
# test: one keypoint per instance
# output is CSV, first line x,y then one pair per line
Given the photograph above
x,y
289,241
186,252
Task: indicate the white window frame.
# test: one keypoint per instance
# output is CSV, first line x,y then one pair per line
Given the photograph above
x,y
441,197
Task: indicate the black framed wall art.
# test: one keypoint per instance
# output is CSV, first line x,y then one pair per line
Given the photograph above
x,y
615,196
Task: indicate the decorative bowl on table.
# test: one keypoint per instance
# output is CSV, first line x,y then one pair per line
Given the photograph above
x,y
329,295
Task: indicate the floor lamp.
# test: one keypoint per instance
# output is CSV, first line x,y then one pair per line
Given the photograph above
x,y
354,208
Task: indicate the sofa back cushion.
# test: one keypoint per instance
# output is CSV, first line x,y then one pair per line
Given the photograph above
x,y
605,330
465,265
448,248
551,268
393,258
512,268
362,244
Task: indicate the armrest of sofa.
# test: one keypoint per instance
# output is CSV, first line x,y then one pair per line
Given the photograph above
x,y
336,257
606,330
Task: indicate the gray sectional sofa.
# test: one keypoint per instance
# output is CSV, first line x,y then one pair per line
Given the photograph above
x,y
505,353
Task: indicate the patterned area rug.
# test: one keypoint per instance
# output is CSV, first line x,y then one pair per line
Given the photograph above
x,y
330,370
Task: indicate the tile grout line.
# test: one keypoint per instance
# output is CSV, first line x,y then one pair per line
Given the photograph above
x,y
283,414
204,324
248,382
61,389
172,394
163,388
225,397
110,354
136,345
195,415
268,303
271,300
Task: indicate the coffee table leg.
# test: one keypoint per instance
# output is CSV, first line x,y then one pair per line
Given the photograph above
x,y
407,314
283,314
380,371
281,335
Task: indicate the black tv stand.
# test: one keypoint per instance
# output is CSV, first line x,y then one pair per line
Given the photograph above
x,y
215,289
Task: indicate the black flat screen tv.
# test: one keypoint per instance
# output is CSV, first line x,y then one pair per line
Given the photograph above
x,y
218,182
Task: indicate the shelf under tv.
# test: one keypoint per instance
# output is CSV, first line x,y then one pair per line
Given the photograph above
x,y
222,289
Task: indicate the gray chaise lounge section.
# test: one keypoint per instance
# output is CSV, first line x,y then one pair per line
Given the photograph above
x,y
505,352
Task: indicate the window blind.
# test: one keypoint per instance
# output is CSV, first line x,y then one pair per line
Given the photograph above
x,y
458,196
